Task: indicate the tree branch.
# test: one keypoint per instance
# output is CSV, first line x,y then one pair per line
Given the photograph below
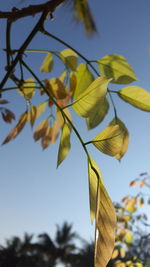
x,y
31,10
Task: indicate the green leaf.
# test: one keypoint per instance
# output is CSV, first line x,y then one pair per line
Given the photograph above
x,y
87,102
109,141
27,89
65,145
83,79
69,58
40,109
47,64
136,96
117,68
124,134
94,175
106,224
97,117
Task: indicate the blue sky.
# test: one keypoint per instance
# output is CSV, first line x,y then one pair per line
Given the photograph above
x,y
34,196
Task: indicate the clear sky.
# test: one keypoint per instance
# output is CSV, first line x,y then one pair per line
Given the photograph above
x,y
34,196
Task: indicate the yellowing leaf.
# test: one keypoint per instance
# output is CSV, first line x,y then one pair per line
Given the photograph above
x,y
129,237
115,254
40,130
55,132
106,224
46,139
73,83
35,112
124,135
32,115
138,264
98,115
130,207
62,76
136,96
65,145
119,263
47,64
69,58
109,141
87,102
117,68
122,253
83,79
17,129
56,88
27,89
93,174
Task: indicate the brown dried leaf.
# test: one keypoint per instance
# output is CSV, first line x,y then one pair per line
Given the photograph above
x,y
18,128
7,115
3,101
132,183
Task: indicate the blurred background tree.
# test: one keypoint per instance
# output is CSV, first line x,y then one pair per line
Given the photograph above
x,y
132,246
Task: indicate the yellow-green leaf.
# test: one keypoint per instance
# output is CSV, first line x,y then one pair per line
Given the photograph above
x,y
83,79
131,205
87,102
47,64
138,264
109,141
129,237
122,253
94,175
84,14
115,254
136,96
69,58
117,68
124,134
35,112
106,224
40,109
27,89
65,144
97,117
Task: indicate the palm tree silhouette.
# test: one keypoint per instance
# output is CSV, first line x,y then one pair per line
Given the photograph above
x,y
62,249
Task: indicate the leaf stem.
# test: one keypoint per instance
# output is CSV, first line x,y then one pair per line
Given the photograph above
x,y
23,47
60,109
69,46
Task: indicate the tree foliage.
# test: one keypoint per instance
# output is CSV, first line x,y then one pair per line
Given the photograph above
x,y
83,88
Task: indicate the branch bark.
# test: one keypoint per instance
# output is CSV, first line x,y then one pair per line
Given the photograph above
x,y
31,10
